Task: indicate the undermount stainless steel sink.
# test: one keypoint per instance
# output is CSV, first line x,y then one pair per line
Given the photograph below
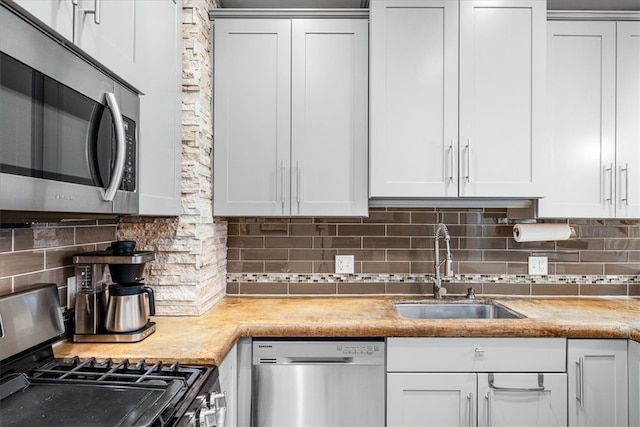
x,y
455,310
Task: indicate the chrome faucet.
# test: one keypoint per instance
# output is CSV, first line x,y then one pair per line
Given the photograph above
x,y
438,290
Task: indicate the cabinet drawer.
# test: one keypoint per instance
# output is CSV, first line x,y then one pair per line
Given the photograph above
x,y
476,354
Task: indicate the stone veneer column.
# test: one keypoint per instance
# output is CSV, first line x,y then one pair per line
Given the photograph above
x,y
189,273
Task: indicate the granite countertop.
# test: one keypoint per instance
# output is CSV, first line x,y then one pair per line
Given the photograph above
x,y
208,338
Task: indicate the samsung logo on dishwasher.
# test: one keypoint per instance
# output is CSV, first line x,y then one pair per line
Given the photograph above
x,y
265,346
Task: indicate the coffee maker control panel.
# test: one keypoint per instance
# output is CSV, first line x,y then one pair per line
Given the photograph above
x,y
84,278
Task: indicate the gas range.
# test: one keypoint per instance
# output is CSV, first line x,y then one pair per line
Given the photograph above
x,y
38,390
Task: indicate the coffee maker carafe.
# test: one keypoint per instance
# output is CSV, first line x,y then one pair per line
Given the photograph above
x,y
117,312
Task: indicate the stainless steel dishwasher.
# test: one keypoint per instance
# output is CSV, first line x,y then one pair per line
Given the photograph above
x,y
306,383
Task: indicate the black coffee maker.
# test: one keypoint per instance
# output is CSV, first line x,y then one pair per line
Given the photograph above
x,y
115,312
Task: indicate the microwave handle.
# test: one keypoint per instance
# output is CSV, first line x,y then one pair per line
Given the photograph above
x,y
118,167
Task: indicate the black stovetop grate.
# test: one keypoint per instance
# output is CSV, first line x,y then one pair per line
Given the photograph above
x,y
115,372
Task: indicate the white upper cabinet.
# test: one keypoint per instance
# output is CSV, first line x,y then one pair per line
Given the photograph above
x,y
104,29
628,120
594,106
252,103
290,117
502,98
414,98
159,73
457,98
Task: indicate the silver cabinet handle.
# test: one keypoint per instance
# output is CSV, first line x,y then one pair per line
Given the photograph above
x,y
479,350
580,382
488,398
298,181
95,12
118,166
470,399
538,389
625,199
609,170
282,176
452,179
468,148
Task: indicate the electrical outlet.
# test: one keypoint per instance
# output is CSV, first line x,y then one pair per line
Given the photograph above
x,y
538,265
344,264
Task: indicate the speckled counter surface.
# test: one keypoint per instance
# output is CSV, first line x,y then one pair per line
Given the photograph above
x,y
207,339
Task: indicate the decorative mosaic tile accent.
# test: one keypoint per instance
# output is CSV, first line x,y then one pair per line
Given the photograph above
x,y
421,278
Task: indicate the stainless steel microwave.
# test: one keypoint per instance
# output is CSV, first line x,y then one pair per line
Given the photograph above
x,y
68,130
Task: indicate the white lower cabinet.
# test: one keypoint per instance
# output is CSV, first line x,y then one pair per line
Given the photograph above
x,y
634,383
598,393
482,382
431,399
522,399
228,373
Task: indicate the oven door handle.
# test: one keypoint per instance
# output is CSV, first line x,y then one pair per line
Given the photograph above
x,y
109,193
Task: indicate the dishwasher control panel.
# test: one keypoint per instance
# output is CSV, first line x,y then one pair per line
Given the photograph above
x,y
357,349
368,352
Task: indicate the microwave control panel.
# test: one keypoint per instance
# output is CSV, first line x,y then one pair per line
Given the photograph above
x,y
129,176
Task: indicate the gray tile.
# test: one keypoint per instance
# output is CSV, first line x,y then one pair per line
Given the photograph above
x,y
63,257
312,254
42,237
58,276
313,229
361,230
233,288
580,268
481,267
288,242
385,267
386,242
360,288
6,286
506,289
409,230
264,254
603,290
95,234
554,289
245,267
337,242
252,288
425,288
245,242
388,217
312,288
624,269
12,263
6,236
288,267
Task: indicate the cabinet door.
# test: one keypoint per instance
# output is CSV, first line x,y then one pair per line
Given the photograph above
x,y
443,400
524,400
329,99
252,117
414,98
111,41
56,14
228,372
502,97
634,383
597,383
628,120
581,118
158,75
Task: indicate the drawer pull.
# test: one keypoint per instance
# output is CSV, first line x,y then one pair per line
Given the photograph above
x,y
479,350
538,389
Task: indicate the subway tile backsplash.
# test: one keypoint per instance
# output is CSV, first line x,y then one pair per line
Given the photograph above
x,y
43,252
394,254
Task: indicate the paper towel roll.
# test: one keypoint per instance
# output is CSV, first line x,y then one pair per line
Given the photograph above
x,y
541,232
